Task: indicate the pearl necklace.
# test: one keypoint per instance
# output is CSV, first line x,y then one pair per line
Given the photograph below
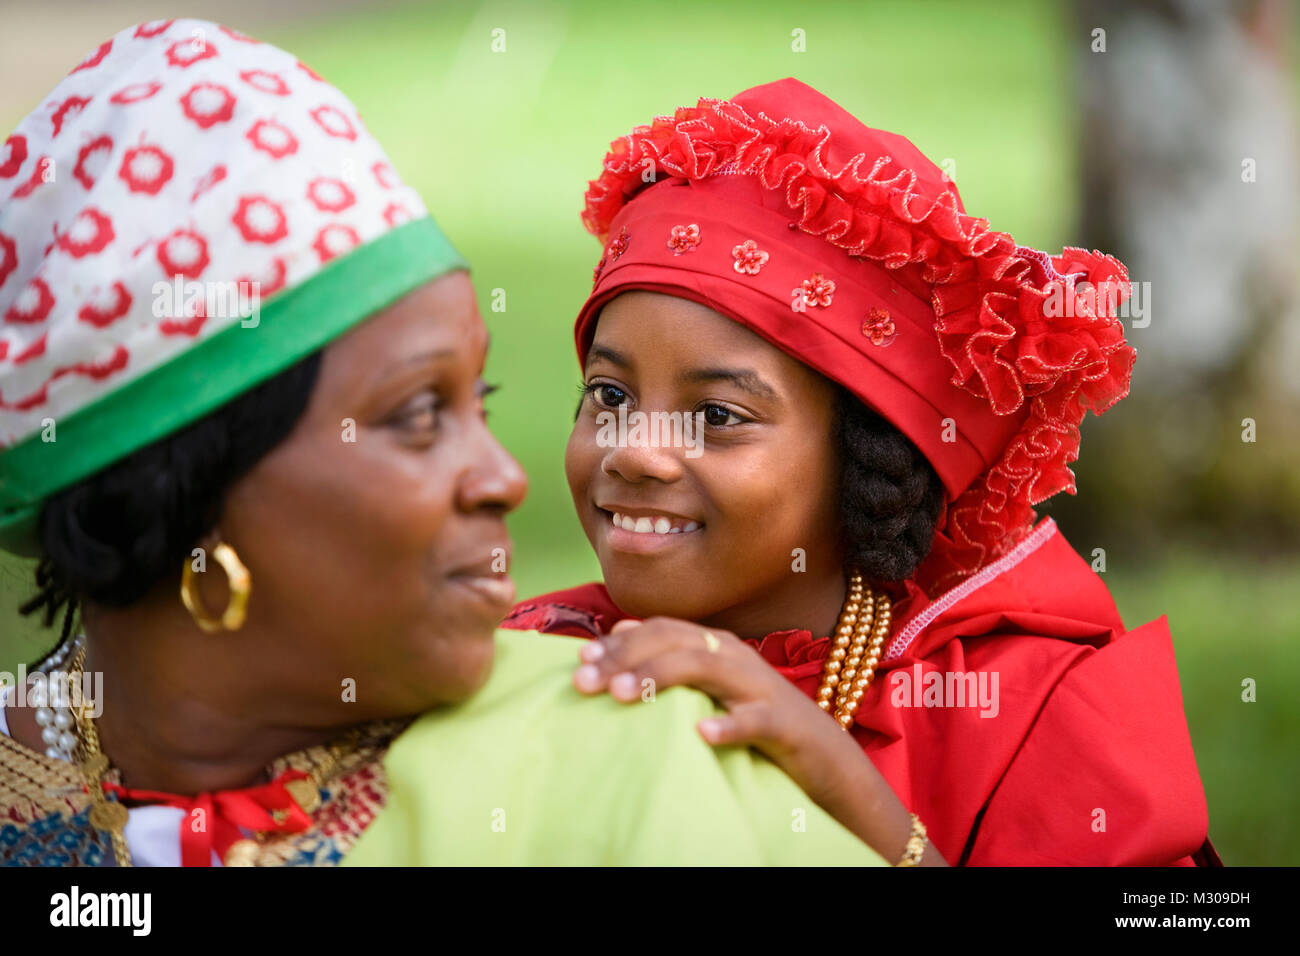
x,y
58,725
859,637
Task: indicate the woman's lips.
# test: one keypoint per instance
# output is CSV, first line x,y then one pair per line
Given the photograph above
x,y
487,580
497,590
646,532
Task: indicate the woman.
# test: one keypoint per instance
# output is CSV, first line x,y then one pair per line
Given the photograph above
x,y
283,521
886,387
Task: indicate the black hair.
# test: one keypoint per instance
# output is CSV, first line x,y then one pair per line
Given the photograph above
x,y
113,536
890,495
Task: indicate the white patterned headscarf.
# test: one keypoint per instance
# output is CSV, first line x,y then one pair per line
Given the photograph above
x,y
189,212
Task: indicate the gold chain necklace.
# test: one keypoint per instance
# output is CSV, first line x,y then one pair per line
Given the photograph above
x,y
855,651
105,814
112,815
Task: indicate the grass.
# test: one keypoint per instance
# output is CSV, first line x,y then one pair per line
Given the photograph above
x,y
501,144
1233,619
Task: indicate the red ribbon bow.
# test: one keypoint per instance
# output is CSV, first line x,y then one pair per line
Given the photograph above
x,y
212,821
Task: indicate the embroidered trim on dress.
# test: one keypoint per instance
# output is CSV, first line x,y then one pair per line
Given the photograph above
x,y
972,584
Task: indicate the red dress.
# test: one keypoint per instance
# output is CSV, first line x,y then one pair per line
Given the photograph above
x,y
1078,753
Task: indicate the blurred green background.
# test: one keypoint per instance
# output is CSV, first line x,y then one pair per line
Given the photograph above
x,y
501,145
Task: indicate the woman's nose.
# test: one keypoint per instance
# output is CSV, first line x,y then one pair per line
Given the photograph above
x,y
495,481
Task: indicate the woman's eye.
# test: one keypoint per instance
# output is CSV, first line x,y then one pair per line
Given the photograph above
x,y
717,416
419,414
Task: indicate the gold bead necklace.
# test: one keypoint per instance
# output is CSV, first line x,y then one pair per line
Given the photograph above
x,y
855,651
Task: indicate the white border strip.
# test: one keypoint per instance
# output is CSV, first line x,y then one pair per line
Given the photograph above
x,y
972,584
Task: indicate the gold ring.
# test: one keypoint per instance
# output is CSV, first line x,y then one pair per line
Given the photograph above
x,y
711,642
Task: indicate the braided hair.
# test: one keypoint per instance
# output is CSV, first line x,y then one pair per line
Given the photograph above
x,y
890,495
113,536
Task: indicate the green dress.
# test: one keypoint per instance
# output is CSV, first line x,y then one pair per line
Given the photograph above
x,y
531,772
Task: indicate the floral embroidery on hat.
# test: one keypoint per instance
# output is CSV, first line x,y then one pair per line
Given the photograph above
x,y
89,233
818,290
684,239
330,195
184,253
66,110
33,351
145,168
146,31
8,257
95,58
12,155
395,214
208,104
385,175
90,161
612,252
185,53
618,246
135,93
260,220
209,179
42,173
106,306
270,279
334,240
33,304
272,138
749,258
265,81
334,122
879,327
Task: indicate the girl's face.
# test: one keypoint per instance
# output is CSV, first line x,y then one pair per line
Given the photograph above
x,y
735,533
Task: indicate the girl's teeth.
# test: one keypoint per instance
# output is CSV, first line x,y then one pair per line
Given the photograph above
x,y
659,525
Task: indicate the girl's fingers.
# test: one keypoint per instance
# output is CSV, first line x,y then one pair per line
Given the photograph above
x,y
629,646
589,679
751,724
697,668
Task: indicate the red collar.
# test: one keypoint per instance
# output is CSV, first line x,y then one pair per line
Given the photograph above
x,y
212,821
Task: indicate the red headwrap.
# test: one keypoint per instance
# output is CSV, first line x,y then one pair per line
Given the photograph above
x,y
845,247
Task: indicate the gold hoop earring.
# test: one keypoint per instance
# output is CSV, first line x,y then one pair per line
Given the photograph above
x,y
240,581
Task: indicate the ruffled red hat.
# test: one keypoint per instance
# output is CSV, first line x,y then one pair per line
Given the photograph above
x,y
845,247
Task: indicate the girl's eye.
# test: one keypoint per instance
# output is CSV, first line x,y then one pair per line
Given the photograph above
x,y
718,417
607,395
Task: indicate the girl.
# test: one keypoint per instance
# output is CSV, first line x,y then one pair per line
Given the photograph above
x,y
887,387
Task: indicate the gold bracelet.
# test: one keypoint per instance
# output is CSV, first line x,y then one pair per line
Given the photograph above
x,y
915,848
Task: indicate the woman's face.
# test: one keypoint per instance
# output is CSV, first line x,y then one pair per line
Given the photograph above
x,y
763,483
375,533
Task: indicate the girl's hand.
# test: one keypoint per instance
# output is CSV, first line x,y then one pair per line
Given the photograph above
x,y
764,711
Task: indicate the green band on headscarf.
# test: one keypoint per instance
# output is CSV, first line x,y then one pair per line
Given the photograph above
x,y
293,324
